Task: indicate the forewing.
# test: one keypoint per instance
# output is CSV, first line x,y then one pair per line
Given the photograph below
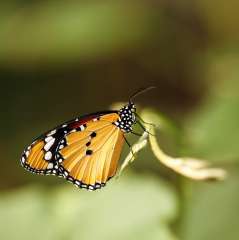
x,y
39,156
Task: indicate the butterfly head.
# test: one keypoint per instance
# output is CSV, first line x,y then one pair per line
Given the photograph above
x,y
127,117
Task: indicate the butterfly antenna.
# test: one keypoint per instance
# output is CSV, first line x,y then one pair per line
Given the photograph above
x,y
140,91
144,129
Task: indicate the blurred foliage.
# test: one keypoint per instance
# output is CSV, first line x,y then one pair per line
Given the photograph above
x,y
67,213
211,210
213,129
61,59
56,31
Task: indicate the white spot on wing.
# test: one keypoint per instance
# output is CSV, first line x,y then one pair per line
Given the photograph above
x,y
47,139
50,166
77,183
23,160
51,132
82,127
49,144
48,156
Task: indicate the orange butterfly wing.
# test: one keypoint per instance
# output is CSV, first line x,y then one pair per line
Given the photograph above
x,y
90,157
33,158
39,156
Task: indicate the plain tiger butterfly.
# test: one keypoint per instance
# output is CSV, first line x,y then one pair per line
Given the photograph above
x,y
85,150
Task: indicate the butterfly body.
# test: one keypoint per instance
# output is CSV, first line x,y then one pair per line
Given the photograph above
x,y
85,150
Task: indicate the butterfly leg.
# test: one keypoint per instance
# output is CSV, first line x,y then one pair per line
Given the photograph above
x,y
145,130
144,121
130,147
137,134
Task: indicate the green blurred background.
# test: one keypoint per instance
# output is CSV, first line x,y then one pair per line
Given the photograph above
x,y
62,59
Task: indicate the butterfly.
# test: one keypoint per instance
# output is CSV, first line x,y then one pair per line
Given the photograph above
x,y
85,150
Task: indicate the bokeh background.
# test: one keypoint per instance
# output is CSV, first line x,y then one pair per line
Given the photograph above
x,y
61,59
